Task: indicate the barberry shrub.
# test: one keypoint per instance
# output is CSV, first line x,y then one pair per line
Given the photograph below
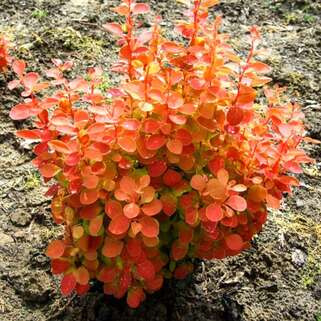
x,y
180,161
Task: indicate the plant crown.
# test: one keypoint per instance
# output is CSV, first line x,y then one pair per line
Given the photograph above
x,y
180,161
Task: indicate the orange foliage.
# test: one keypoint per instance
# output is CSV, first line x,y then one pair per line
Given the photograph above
x,y
182,163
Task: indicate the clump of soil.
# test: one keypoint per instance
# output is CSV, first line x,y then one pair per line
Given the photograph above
x,y
279,278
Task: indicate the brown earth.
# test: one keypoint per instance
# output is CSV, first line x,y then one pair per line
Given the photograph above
x,y
278,279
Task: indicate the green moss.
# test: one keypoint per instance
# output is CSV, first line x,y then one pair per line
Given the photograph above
x,y
32,181
71,40
39,14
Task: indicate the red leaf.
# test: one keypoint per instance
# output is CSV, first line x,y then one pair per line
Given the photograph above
x,y
82,289
272,201
89,212
140,8
157,168
119,225
134,247
155,142
19,112
114,28
59,266
68,284
234,242
171,178
134,297
19,67
184,136
59,146
234,116
237,202
28,134
146,270
214,212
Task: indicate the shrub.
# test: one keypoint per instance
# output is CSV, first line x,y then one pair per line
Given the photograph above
x,y
180,161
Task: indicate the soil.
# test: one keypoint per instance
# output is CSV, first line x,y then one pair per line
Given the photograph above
x,y
278,279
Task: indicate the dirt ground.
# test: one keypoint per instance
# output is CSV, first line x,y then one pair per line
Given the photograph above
x,y
278,279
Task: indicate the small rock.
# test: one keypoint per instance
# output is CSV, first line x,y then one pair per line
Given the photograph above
x,y
234,280
299,258
299,203
5,240
20,218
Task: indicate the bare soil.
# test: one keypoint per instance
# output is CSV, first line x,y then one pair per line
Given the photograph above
x,y
278,279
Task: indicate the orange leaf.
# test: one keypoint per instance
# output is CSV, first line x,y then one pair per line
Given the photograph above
x,y
198,182
238,203
56,249
90,181
82,275
127,144
112,247
88,196
119,225
114,28
59,146
95,225
113,209
149,227
175,100
175,146
152,208
131,210
49,170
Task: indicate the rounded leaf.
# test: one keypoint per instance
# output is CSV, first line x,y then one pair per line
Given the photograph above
x,y
119,225
131,210
238,203
68,284
234,242
88,196
152,208
214,212
56,249
49,170
149,227
112,247
128,144
198,182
